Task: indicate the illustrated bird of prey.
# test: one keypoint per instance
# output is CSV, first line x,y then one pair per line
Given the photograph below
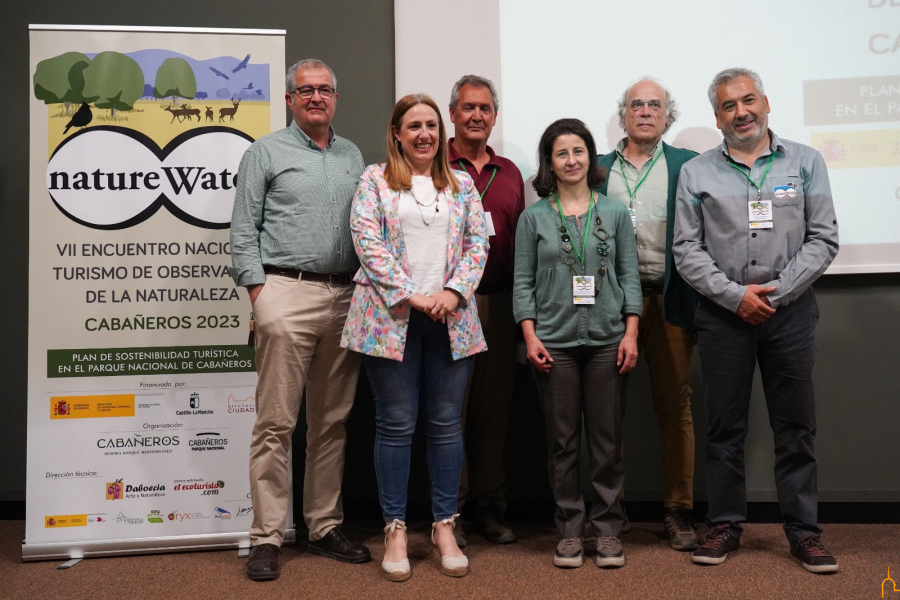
x,y
81,118
242,64
249,87
219,73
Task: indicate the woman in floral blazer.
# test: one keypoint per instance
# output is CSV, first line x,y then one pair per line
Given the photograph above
x,y
419,230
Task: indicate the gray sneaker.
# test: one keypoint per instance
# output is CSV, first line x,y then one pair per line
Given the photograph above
x,y
569,553
681,529
610,553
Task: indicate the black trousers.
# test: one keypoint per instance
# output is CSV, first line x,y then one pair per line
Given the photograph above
x,y
784,346
584,386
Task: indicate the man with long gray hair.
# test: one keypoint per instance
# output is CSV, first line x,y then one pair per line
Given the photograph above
x,y
291,249
754,228
643,175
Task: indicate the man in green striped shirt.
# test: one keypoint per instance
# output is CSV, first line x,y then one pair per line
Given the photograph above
x,y
291,249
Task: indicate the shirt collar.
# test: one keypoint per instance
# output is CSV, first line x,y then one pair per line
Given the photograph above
x,y
620,147
307,141
453,156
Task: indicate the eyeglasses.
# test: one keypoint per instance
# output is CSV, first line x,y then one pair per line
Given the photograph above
x,y
655,105
307,91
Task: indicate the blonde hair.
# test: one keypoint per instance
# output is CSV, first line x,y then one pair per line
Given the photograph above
x,y
397,172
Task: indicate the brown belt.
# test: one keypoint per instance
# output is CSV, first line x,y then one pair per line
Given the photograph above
x,y
332,278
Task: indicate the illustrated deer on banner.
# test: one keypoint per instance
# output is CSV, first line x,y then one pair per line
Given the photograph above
x,y
229,112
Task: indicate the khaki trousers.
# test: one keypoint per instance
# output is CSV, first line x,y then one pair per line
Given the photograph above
x,y
487,403
298,328
668,350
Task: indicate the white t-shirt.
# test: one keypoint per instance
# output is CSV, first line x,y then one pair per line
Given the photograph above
x,y
425,234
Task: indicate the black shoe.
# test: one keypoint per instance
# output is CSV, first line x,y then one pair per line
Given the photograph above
x,y
718,546
813,556
335,545
681,529
496,529
263,563
626,525
459,534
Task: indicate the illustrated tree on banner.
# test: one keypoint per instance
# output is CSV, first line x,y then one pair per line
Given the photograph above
x,y
60,80
175,79
114,80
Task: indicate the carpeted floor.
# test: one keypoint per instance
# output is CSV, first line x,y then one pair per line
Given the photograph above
x,y
762,569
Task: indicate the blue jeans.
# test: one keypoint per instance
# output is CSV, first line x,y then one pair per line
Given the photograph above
x,y
429,376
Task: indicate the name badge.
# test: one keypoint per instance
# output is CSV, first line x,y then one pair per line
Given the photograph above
x,y
583,289
489,224
760,213
633,218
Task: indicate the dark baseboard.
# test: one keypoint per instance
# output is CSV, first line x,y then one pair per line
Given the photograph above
x,y
757,512
12,510
538,511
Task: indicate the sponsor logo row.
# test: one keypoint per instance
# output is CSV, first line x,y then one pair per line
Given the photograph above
x,y
152,517
188,404
120,490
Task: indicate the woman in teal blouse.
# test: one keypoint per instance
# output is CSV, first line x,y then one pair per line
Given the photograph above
x,y
577,295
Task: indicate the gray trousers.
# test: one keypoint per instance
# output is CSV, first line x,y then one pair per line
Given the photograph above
x,y
784,345
584,383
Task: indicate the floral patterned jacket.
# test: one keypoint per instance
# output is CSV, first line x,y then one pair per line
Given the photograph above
x,y
379,318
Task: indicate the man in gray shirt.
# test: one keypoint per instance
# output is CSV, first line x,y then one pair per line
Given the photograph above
x,y
291,248
754,228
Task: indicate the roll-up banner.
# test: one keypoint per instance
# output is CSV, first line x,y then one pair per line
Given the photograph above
x,y
140,381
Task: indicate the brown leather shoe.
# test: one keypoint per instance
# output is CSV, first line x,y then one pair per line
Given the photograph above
x,y
263,563
335,545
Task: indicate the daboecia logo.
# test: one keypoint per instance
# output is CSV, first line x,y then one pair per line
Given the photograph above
x,y
108,177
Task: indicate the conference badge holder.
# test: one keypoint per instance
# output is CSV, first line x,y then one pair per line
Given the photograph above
x,y
761,215
583,289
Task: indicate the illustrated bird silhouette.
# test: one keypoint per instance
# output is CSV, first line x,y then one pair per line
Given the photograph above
x,y
249,87
81,118
242,64
219,73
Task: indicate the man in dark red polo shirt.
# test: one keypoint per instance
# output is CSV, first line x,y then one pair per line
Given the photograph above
x,y
473,111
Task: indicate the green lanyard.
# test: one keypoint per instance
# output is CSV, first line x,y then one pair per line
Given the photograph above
x,y
587,227
631,194
481,196
753,183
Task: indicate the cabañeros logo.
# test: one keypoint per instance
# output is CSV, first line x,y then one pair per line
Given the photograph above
x,y
208,440
108,177
138,441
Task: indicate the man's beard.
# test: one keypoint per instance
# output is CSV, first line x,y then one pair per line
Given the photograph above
x,y
744,143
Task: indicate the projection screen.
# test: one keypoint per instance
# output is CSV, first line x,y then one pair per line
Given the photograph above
x,y
830,71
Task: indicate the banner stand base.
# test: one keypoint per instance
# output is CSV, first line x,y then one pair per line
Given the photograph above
x,y
69,564
150,545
